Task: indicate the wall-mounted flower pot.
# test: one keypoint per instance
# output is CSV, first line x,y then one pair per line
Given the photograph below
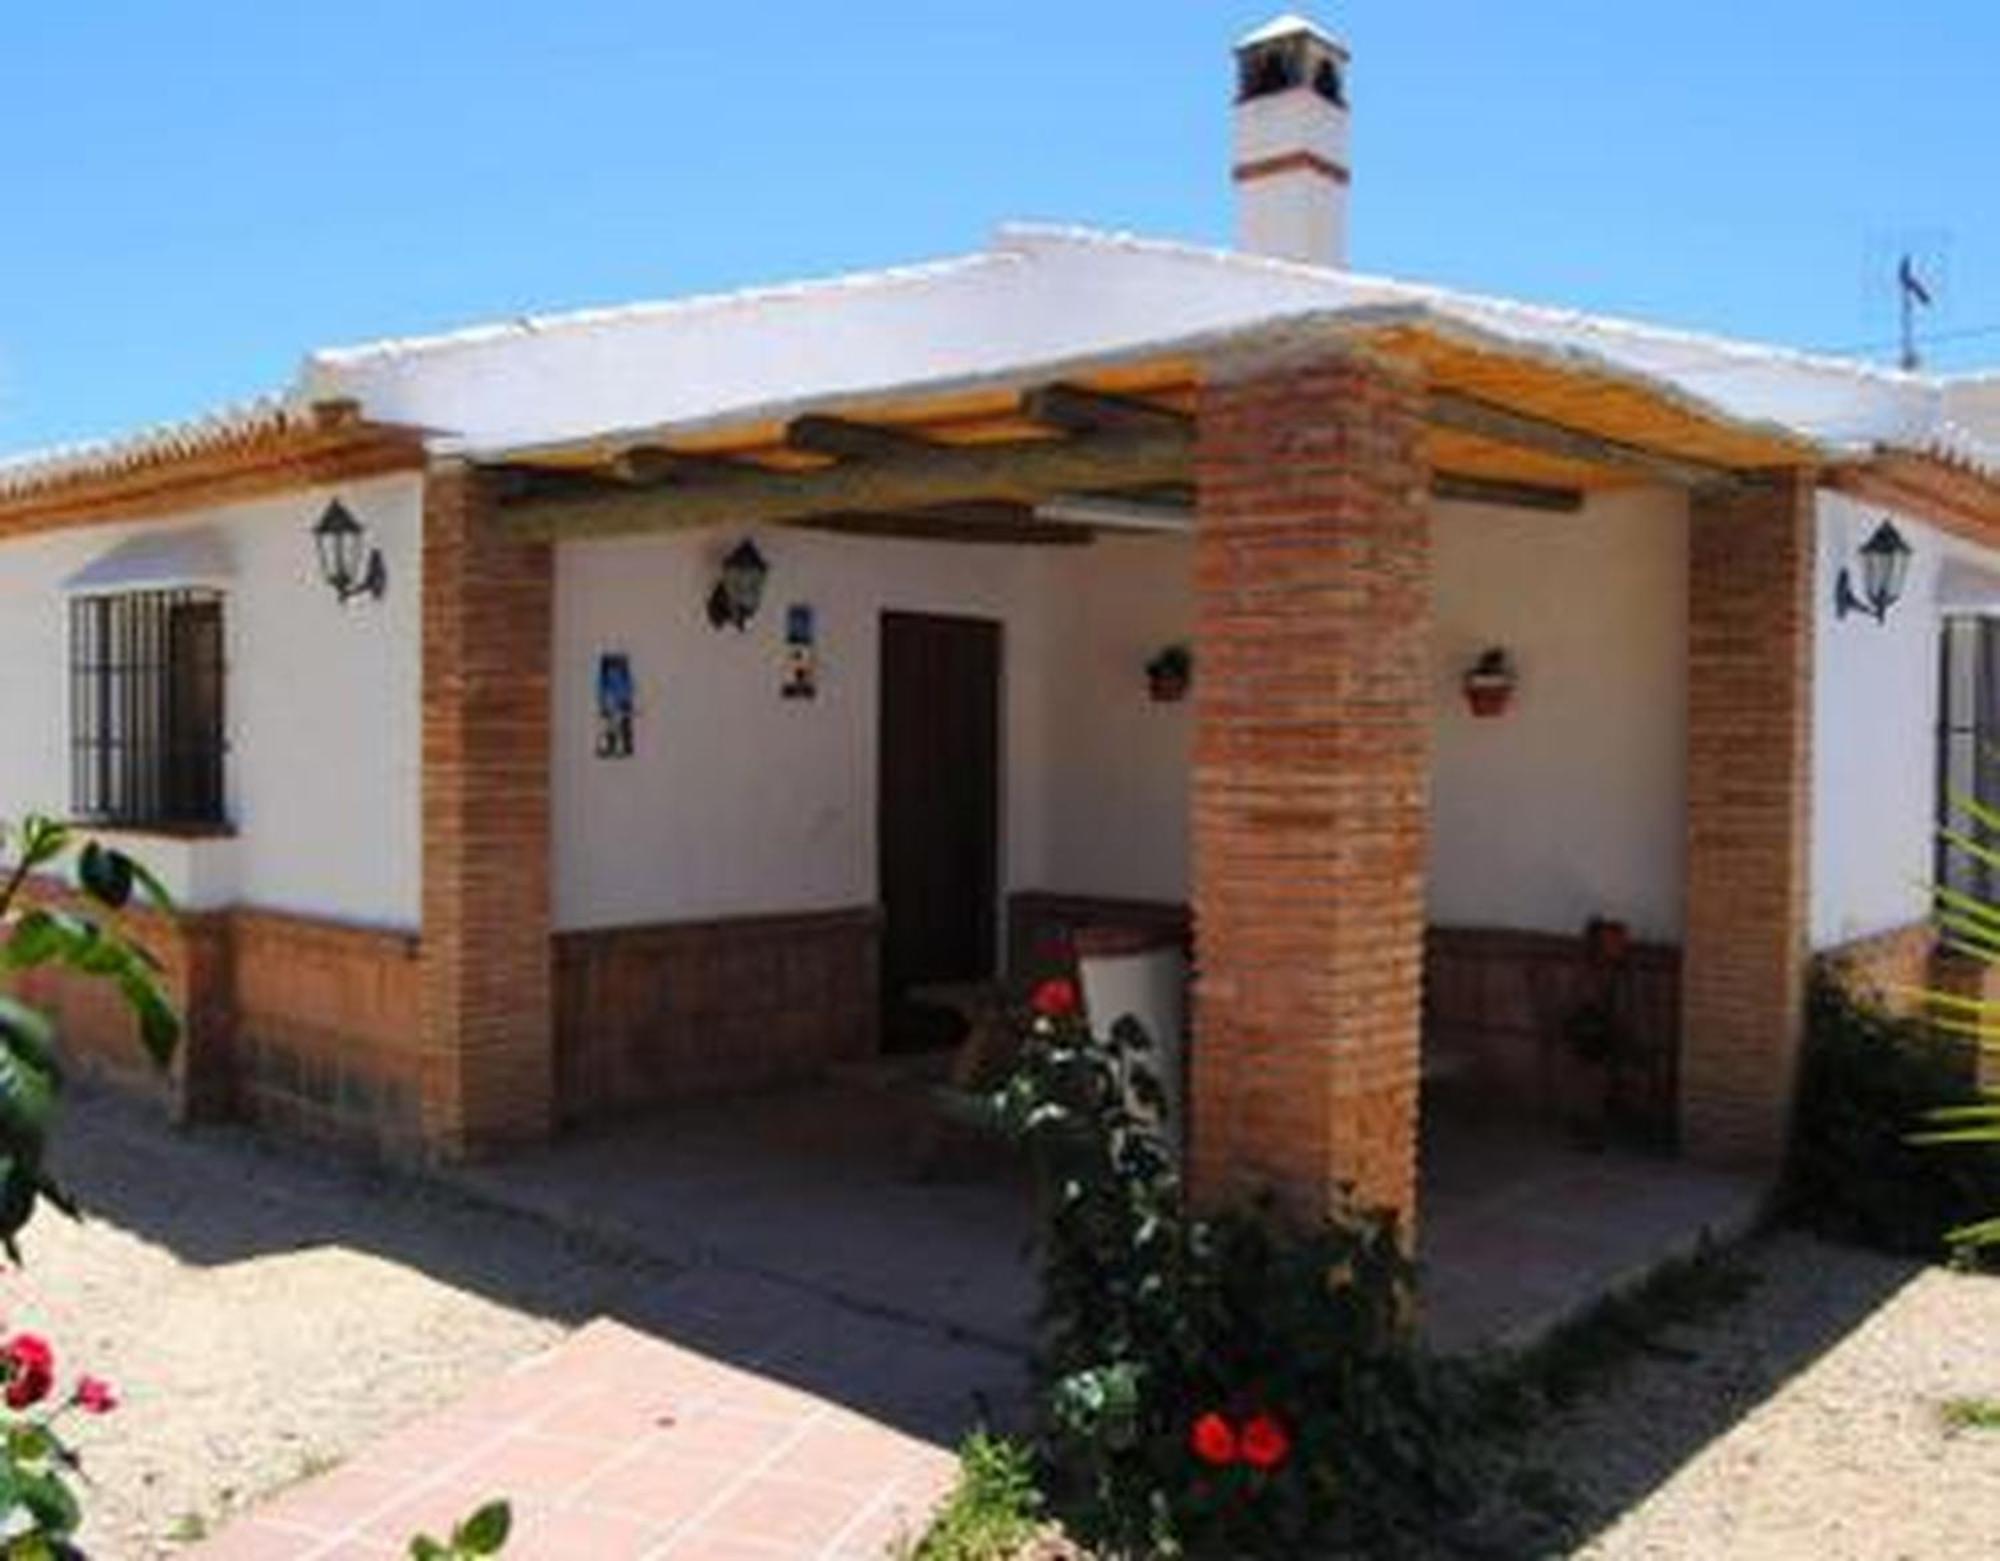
x,y
1169,674
1489,685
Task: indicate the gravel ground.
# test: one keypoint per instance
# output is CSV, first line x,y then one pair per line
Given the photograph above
x,y
1806,1422
264,1313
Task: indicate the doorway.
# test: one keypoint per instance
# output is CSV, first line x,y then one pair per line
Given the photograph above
x,y
937,814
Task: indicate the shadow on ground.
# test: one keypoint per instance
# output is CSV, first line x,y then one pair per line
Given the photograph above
x,y
1677,1393
221,1196
913,1334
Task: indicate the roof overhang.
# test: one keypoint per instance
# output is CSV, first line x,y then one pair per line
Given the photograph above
x,y
1958,496
268,447
1505,412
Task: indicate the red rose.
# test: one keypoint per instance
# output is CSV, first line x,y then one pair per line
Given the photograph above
x,y
1265,1442
31,1369
1056,998
1213,1440
94,1396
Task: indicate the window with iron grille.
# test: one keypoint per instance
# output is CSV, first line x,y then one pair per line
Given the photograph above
x,y
1968,764
146,734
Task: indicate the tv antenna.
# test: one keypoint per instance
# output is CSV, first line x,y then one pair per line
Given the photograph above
x,y
1914,295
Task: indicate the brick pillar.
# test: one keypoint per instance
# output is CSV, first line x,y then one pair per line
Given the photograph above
x,y
1750,630
1311,777
488,1018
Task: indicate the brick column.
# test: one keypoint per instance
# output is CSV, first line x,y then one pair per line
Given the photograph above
x,y
1311,777
487,1073
1750,632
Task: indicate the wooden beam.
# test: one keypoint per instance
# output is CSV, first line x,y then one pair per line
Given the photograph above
x,y
1023,473
1483,420
845,440
646,464
1079,411
978,524
1467,489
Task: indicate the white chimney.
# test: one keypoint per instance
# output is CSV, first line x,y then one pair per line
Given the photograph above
x,y
1291,143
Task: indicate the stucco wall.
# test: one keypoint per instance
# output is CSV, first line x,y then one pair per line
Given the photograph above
x,y
1875,691
322,707
739,802
1573,803
1117,786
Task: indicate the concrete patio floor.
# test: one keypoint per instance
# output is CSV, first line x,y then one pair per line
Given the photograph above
x,y
1519,1228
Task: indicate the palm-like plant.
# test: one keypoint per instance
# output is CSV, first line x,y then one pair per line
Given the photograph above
x,y
1969,925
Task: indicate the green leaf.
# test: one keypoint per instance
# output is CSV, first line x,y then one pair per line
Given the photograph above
x,y
42,841
37,938
28,1033
105,875
27,1443
27,1103
155,892
424,1548
486,1531
48,1497
159,1025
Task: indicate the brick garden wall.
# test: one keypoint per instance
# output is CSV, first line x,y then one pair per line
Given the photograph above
x,y
657,1013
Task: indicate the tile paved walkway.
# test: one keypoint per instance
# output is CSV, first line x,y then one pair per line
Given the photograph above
x,y
618,1445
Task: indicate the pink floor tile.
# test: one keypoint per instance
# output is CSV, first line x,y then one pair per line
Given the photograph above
x,y
617,1445
774,1509
659,1484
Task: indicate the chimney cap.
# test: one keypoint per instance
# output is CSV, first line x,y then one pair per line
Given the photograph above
x,y
1290,25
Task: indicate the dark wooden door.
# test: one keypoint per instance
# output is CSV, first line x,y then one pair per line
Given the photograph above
x,y
938,801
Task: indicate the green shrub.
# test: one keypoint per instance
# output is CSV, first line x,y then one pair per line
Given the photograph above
x,y
1870,1082
1228,1385
994,1510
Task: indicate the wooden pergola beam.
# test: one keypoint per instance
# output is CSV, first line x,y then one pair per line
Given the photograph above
x,y
1464,488
987,524
1463,414
1079,411
842,439
914,479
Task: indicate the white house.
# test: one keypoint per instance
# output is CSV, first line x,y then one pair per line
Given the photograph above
x,y
446,890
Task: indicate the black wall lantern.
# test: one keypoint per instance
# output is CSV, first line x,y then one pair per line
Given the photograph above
x,y
346,562
1885,564
740,590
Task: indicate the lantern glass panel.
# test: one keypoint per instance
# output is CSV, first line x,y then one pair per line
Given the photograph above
x,y
1885,566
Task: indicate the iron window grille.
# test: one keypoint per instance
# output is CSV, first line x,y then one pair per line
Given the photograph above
x,y
1968,758
146,726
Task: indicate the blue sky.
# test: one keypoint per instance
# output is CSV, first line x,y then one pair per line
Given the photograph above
x,y
192,194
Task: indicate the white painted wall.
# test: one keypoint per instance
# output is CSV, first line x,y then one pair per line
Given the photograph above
x,y
322,703
738,802
1117,784
1875,700
1573,803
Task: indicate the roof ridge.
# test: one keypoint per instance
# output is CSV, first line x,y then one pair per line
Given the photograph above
x,y
1027,235
606,316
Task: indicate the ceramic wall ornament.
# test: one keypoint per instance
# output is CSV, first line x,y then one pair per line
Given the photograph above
x,y
615,701
801,653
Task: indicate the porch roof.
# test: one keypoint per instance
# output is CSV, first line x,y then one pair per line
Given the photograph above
x,y
1550,402
984,455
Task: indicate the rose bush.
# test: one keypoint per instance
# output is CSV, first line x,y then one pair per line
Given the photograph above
x,y
1230,1385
